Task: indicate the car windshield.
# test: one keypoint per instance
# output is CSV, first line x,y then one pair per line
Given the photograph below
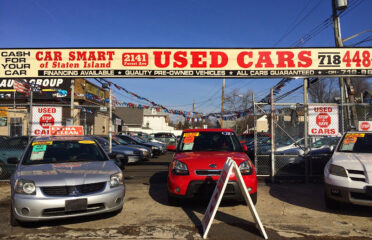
x,y
209,141
63,151
356,143
138,139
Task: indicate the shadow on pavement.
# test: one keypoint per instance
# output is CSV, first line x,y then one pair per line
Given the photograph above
x,y
311,196
158,191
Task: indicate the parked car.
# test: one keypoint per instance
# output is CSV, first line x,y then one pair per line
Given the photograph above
x,y
248,138
165,137
348,173
157,144
61,177
124,154
198,162
12,147
145,137
131,140
146,151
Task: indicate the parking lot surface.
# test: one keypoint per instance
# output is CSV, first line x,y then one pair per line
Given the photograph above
x,y
288,211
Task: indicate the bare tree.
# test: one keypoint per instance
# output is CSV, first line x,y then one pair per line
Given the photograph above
x,y
324,90
360,85
237,101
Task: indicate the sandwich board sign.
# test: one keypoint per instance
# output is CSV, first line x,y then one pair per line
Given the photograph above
x,y
230,165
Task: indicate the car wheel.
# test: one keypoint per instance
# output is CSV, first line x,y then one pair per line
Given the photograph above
x,y
254,198
3,171
173,201
331,203
13,221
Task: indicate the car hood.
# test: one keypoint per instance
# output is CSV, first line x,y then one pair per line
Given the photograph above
x,y
69,174
354,161
203,160
124,148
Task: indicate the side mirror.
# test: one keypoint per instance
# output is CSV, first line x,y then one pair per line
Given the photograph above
x,y
171,148
245,148
331,148
13,160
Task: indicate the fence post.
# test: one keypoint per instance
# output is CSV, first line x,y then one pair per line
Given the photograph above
x,y
30,114
272,136
254,132
306,133
72,102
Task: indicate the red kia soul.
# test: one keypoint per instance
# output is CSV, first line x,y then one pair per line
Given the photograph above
x,y
198,161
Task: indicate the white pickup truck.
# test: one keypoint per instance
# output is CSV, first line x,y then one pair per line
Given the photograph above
x,y
348,174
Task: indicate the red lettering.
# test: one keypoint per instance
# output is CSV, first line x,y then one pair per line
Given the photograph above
x,y
110,55
305,58
158,62
264,57
241,59
38,57
197,58
285,59
56,56
215,56
180,59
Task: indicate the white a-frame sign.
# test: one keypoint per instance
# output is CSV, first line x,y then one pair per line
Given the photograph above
x,y
230,165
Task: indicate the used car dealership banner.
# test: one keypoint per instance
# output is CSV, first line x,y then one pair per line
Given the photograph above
x,y
185,62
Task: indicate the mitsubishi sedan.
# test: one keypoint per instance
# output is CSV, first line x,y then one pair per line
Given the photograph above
x,y
60,177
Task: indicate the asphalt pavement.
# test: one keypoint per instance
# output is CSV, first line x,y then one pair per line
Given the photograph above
x,y
288,211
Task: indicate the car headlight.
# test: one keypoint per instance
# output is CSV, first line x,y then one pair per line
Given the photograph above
x,y
179,168
246,168
25,187
143,150
337,171
116,180
127,152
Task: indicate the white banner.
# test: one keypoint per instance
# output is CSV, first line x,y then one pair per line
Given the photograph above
x,y
323,120
185,62
43,118
365,126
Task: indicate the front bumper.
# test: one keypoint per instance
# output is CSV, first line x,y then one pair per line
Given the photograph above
x,y
349,195
41,207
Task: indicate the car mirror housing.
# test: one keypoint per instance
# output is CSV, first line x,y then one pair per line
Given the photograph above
x,y
171,148
245,148
13,160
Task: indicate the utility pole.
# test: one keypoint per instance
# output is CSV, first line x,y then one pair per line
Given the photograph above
x,y
110,120
193,110
345,84
222,101
72,101
30,117
272,136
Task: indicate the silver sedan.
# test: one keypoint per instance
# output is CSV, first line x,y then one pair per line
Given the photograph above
x,y
59,177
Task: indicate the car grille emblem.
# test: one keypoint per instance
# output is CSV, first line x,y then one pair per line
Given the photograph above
x,y
74,191
212,165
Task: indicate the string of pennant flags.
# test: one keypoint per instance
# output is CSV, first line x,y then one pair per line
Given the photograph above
x,y
22,86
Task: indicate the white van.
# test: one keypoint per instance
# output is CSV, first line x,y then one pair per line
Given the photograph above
x,y
348,174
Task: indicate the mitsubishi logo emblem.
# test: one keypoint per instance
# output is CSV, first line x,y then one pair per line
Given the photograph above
x,y
74,191
212,165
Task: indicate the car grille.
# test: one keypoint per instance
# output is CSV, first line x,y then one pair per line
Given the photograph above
x,y
208,172
73,190
62,212
356,175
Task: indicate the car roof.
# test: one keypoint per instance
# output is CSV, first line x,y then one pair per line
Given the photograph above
x,y
209,130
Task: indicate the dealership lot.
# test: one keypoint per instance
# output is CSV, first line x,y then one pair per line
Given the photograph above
x,y
287,210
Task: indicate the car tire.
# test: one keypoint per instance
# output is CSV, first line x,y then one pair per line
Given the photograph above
x,y
254,198
3,171
331,203
13,221
121,161
173,201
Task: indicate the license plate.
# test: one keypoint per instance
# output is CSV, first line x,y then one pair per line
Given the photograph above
x,y
76,205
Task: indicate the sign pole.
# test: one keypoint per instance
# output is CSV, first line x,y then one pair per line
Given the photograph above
x,y
306,132
110,120
272,137
72,101
30,115
222,101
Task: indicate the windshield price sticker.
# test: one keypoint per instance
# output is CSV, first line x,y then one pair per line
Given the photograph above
x,y
42,143
355,135
37,155
39,148
191,134
86,142
188,140
227,133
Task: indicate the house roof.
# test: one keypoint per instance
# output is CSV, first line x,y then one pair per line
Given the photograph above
x,y
153,112
130,116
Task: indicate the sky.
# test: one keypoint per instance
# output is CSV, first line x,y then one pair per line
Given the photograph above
x,y
176,23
